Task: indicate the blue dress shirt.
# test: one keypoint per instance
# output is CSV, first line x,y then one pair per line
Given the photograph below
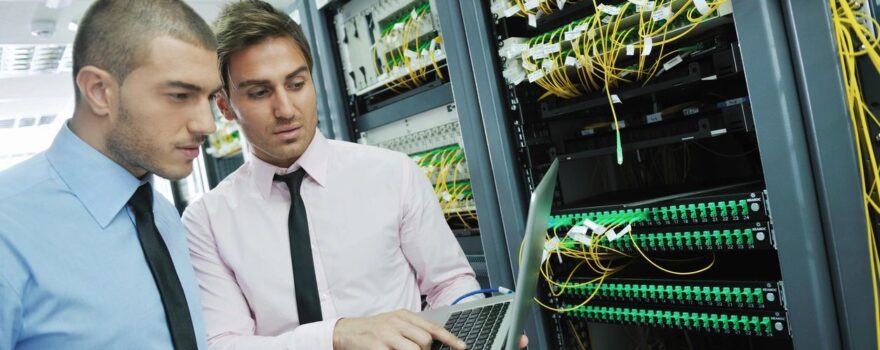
x,y
72,272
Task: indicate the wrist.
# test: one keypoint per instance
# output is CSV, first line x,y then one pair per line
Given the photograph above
x,y
337,341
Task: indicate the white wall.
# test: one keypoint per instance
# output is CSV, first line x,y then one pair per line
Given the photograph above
x,y
33,95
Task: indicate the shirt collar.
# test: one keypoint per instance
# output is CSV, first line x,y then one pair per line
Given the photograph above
x,y
102,185
313,160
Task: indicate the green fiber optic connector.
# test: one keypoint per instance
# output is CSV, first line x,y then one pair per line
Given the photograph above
x,y
676,316
734,323
749,294
750,238
686,319
652,292
740,237
728,237
628,291
688,293
737,295
704,320
744,323
724,322
701,207
713,321
718,237
755,324
723,207
716,294
767,325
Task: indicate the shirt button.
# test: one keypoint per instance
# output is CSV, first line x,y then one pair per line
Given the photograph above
x,y
323,296
313,247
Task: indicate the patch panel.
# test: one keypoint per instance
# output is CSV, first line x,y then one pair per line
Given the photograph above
x,y
511,8
755,236
765,324
565,49
733,237
382,41
440,136
445,164
422,132
707,210
726,294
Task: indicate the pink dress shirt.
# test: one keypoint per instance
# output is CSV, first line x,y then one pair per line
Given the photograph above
x,y
379,241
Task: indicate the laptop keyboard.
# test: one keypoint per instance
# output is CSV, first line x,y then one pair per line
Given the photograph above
x,y
477,327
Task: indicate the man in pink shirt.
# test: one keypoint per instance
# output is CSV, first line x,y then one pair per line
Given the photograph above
x,y
313,243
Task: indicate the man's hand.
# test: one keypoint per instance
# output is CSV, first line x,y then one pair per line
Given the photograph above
x,y
402,330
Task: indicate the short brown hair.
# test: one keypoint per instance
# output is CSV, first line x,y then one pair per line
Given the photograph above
x,y
114,35
250,22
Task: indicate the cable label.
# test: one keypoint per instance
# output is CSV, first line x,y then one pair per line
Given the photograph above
x,y
661,14
702,6
511,11
530,4
549,247
672,63
647,7
612,236
609,10
579,234
648,45
534,76
598,229
547,65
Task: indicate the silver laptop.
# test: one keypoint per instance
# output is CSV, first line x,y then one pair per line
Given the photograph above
x,y
497,323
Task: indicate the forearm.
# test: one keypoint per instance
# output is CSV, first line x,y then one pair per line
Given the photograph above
x,y
447,291
317,335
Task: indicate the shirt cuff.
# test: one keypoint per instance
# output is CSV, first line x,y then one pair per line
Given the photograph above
x,y
315,335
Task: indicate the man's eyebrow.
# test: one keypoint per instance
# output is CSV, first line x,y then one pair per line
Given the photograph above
x,y
246,83
184,85
296,72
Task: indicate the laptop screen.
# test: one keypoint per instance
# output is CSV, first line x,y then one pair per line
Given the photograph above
x,y
535,231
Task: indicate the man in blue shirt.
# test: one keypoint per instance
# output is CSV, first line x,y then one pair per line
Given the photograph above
x,y
90,257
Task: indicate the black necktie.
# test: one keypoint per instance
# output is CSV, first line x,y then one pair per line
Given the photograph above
x,y
173,300
306,285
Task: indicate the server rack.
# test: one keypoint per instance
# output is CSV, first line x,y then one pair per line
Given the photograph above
x,y
808,167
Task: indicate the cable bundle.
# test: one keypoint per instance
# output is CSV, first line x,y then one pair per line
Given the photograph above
x,y
582,57
854,31
446,167
407,55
